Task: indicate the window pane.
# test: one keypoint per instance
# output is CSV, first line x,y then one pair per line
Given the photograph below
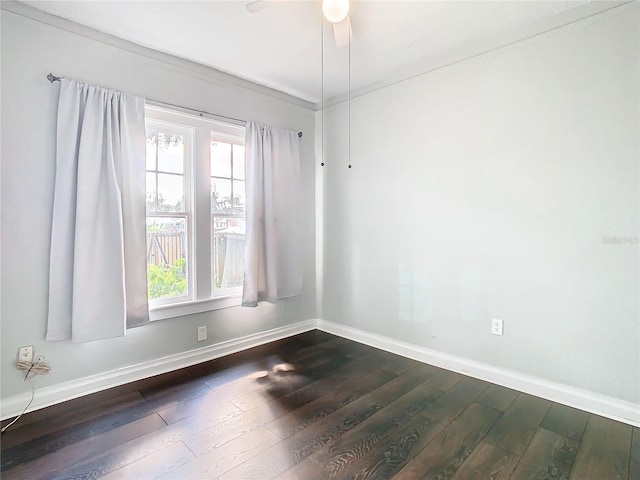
x,y
151,149
220,159
238,161
166,257
228,252
170,193
220,195
238,196
151,192
170,153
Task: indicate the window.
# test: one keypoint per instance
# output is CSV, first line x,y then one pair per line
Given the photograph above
x,y
168,211
195,213
228,215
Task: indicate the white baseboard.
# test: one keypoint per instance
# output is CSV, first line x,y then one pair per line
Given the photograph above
x,y
46,396
599,404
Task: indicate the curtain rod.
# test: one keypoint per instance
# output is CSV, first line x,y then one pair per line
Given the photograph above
x,y
53,78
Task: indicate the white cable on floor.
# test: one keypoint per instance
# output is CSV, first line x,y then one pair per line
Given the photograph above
x,y
33,394
39,367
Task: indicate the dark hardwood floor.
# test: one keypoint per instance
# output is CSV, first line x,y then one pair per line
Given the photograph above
x,y
316,406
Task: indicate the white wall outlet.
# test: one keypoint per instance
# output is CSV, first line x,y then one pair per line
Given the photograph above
x,y
25,354
202,333
496,326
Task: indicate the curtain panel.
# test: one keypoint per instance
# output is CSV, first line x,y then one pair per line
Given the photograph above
x,y
97,277
272,257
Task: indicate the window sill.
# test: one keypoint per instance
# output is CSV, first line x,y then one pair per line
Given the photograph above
x,y
162,312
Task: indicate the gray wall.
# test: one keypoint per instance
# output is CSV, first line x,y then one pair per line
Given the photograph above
x,y
484,190
481,190
30,50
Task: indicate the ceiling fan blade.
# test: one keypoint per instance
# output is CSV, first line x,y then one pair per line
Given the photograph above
x,y
342,32
257,6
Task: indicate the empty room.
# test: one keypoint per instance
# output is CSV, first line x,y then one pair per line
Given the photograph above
x,y
320,239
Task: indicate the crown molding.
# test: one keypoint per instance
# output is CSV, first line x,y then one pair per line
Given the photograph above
x,y
212,75
189,67
487,45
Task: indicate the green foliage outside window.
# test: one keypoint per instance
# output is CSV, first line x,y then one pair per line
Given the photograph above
x,y
167,280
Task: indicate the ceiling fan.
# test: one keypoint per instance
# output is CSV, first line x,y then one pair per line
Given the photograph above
x,y
335,11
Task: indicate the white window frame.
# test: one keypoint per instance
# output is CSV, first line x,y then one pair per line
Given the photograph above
x,y
201,297
187,172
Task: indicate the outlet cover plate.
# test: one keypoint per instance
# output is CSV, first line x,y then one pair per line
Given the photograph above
x,y
202,333
25,354
496,326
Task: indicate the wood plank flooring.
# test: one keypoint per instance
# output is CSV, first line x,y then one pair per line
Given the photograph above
x,y
314,407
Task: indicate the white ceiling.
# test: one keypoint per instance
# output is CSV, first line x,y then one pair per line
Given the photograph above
x,y
280,46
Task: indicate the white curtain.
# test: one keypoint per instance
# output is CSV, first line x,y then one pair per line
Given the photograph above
x,y
97,277
272,256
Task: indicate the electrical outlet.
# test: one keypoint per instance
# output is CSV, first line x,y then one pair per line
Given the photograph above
x,y
496,326
25,354
202,333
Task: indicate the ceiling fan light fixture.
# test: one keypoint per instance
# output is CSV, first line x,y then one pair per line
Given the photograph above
x,y
335,10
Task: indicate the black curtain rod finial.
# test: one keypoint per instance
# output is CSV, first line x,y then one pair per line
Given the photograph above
x,y
299,134
52,78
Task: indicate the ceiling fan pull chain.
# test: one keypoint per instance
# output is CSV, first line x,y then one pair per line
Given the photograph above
x,y
322,86
349,98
